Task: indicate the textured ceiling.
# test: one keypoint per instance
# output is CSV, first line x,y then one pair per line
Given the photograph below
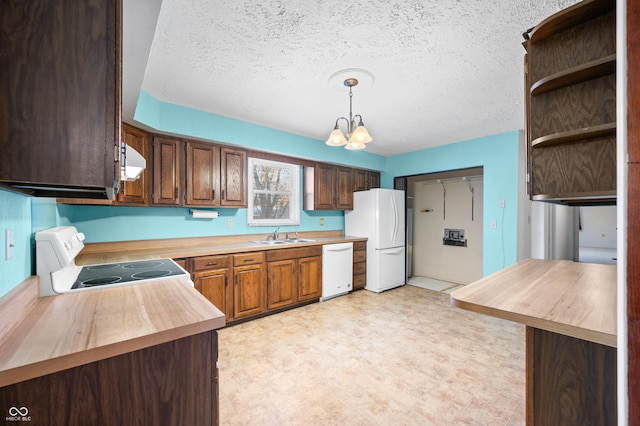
x,y
444,70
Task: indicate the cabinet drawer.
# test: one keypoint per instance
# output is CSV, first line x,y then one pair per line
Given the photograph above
x,y
293,253
359,245
359,268
210,262
248,258
359,256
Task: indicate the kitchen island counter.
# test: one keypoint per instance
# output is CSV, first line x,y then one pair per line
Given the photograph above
x,y
569,309
44,335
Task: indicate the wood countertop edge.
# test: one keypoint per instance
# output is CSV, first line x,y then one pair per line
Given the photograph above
x,y
207,318
580,298
555,327
68,361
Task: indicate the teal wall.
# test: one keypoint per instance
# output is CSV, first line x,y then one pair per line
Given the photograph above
x,y
498,155
15,214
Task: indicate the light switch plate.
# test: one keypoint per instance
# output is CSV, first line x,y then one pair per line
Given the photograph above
x,y
9,244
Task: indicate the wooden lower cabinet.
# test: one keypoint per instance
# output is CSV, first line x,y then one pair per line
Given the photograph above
x,y
359,265
212,277
172,383
249,285
293,275
309,278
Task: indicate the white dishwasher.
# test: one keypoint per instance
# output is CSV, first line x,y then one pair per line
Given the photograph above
x,y
337,270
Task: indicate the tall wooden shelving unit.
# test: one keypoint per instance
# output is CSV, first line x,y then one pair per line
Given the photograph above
x,y
570,82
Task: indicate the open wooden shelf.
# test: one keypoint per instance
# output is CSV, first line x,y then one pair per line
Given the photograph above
x,y
570,17
592,132
579,74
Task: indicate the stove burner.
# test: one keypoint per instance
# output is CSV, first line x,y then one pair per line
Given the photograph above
x,y
141,265
150,274
100,281
102,267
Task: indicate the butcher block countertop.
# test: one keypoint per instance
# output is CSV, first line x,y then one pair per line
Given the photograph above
x,y
50,334
569,298
176,248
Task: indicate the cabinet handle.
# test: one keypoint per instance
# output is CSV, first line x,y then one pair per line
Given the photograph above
x,y
213,194
249,260
226,281
175,193
212,264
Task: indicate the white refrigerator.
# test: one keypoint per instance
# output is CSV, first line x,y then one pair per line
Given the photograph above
x,y
379,215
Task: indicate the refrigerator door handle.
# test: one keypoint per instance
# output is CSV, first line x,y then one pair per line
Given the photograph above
x,y
394,211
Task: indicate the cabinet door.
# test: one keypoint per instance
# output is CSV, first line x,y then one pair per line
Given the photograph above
x,y
138,191
249,291
374,180
309,278
167,184
281,284
360,180
325,184
233,177
344,188
60,80
203,174
214,285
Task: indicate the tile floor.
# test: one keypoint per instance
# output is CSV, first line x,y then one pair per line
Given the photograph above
x,y
402,357
433,284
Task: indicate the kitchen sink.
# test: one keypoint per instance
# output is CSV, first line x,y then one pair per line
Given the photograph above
x,y
269,242
279,242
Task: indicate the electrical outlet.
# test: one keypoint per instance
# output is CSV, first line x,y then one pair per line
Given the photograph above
x,y
501,204
229,223
493,224
9,244
322,221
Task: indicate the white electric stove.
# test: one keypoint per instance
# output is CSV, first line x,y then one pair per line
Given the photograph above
x,y
57,248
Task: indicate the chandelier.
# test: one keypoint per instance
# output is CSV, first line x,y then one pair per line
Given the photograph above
x,y
357,136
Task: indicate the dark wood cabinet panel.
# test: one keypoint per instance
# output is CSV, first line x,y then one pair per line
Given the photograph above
x,y
374,180
60,85
360,180
344,188
203,174
233,177
137,192
172,383
571,381
325,184
167,171
570,78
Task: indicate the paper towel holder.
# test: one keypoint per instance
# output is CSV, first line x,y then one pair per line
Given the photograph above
x,y
203,214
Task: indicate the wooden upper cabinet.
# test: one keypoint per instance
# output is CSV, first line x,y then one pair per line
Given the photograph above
x,y
325,186
137,192
203,174
374,180
570,77
344,188
233,177
167,173
60,85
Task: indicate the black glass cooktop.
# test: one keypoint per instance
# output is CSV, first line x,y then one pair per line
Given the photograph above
x,y
116,273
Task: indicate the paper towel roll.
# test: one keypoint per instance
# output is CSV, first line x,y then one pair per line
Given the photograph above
x,y
203,214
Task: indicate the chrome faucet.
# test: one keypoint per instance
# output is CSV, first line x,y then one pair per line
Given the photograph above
x,y
275,233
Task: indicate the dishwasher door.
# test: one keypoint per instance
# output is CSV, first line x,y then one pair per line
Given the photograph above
x,y
337,270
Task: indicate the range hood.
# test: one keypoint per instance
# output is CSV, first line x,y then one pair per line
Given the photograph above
x,y
133,164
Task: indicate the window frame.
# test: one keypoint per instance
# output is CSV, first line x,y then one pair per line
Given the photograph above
x,y
295,194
